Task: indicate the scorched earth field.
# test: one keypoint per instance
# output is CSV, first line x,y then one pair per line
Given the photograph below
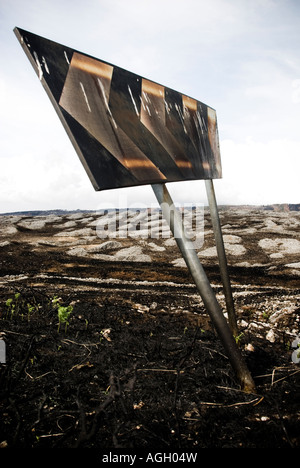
x,y
108,344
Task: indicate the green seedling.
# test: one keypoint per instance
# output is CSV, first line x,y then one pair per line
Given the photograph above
x,y
63,315
238,338
266,315
10,307
55,301
30,310
13,305
18,305
63,312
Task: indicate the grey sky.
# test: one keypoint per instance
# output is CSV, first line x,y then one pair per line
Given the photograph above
x,y
240,57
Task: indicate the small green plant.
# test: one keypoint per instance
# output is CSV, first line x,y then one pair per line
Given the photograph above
x,y
63,315
30,309
55,301
18,306
13,305
266,315
63,312
10,307
238,338
17,297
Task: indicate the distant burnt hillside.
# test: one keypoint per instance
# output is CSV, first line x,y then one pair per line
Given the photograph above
x,y
274,207
283,207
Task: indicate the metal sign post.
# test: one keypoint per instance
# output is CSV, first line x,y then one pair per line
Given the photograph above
x,y
194,265
221,255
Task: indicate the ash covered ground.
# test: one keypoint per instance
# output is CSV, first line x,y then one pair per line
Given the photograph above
x,y
137,364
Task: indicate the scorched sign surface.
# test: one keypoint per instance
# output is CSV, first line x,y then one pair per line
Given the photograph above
x,y
126,129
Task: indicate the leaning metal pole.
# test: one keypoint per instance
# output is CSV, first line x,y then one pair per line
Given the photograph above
x,y
189,254
221,255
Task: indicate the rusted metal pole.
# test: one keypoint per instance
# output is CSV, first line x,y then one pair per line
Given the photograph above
x,y
189,254
221,255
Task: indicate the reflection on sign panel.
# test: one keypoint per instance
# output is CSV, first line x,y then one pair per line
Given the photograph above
x,y
127,130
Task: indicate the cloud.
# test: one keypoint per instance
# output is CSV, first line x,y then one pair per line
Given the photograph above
x,y
237,56
257,172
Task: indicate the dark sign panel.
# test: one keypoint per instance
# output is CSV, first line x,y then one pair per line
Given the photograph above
x,y
126,129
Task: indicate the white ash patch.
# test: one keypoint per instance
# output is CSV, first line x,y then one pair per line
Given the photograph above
x,y
86,220
179,262
278,245
243,265
132,254
234,249
9,231
293,265
127,254
230,249
108,245
209,252
33,224
76,216
277,255
77,252
4,243
156,247
84,232
231,239
68,224
171,242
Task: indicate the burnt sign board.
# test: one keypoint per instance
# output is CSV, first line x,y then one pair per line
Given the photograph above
x,y
126,129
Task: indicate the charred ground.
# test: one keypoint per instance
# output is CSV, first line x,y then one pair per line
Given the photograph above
x,y
138,364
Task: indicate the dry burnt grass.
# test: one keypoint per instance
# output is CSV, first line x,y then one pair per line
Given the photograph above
x,y
125,376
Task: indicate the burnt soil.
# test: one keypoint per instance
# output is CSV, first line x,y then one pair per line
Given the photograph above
x,y
139,365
